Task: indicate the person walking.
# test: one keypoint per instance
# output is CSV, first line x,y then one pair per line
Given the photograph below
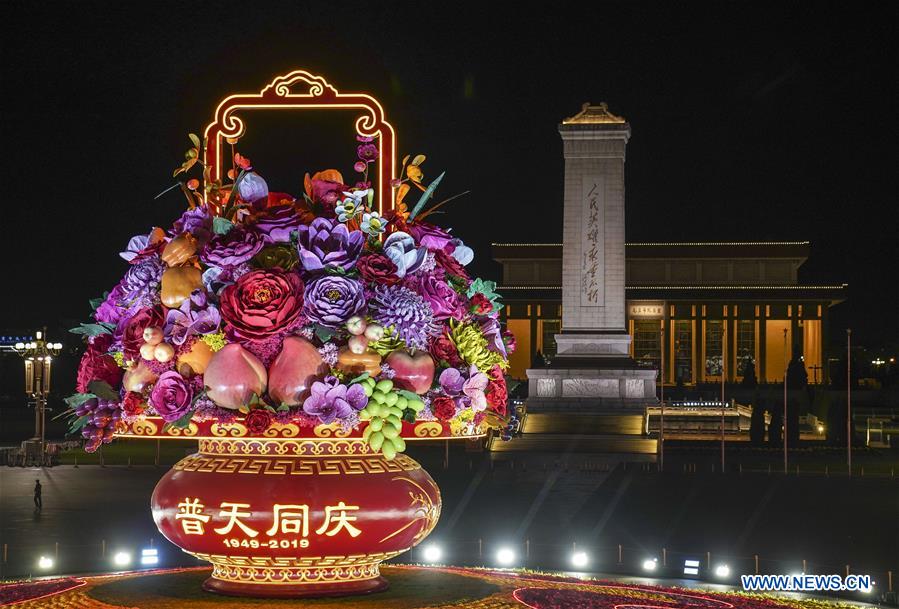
x,y
38,502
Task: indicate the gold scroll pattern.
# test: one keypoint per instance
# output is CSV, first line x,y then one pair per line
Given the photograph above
x,y
296,466
299,447
314,575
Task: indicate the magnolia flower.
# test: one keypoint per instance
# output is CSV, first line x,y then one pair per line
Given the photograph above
x,y
401,249
474,388
373,224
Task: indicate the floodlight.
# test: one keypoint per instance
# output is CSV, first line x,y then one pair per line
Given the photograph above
x,y
505,556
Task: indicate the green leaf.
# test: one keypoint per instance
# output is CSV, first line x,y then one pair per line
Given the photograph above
x,y
283,407
409,395
76,400
427,194
324,334
193,138
409,415
221,226
104,390
91,329
360,378
78,423
183,422
96,302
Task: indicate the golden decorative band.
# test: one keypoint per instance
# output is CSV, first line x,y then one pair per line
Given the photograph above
x,y
296,466
281,447
276,576
297,562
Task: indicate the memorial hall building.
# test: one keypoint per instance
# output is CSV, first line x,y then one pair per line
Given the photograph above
x,y
705,309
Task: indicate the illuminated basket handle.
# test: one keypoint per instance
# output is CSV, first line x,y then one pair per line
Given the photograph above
x,y
317,95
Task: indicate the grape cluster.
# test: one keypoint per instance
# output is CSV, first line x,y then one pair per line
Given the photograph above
x,y
102,416
387,407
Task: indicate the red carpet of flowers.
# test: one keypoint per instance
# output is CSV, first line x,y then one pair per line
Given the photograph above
x,y
26,591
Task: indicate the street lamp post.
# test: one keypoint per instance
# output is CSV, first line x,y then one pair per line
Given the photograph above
x,y
662,399
786,369
723,378
849,400
38,355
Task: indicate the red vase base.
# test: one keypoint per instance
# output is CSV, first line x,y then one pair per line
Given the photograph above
x,y
350,588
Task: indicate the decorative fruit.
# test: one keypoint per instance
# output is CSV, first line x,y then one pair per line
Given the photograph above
x,y
357,363
177,284
179,250
292,372
374,332
163,352
138,377
357,344
355,325
153,335
413,372
148,351
194,361
386,409
233,376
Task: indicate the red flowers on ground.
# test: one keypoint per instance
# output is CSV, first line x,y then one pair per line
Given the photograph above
x,y
262,303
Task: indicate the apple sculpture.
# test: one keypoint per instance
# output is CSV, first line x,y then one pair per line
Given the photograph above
x,y
413,372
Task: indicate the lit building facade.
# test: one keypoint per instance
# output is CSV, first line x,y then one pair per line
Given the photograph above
x,y
706,309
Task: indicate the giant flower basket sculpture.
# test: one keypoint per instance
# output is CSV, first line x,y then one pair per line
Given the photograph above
x,y
302,339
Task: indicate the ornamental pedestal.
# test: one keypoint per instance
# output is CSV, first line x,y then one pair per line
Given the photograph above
x,y
293,512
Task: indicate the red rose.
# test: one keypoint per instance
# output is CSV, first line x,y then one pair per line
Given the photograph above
x,y
133,403
262,303
444,408
444,350
258,421
450,264
496,392
96,365
377,268
132,329
480,304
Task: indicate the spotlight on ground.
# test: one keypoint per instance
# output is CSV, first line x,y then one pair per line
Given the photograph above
x,y
722,571
650,564
45,563
121,559
149,557
505,557
580,559
432,553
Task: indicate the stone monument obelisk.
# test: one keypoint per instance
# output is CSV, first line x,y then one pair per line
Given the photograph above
x,y
593,370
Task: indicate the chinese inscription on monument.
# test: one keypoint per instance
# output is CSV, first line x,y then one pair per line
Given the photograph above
x,y
592,243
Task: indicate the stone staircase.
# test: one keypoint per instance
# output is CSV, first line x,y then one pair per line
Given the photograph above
x,y
570,432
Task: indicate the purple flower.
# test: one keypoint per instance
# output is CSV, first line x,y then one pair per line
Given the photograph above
x,y
430,236
277,224
405,313
330,399
451,381
492,331
110,311
140,286
474,388
332,299
367,152
171,396
232,249
327,245
444,301
195,316
401,249
195,221
135,246
252,188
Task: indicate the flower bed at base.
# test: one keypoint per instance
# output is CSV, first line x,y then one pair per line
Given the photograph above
x,y
416,587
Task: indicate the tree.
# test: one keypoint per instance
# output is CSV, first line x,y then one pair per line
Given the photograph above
x,y
775,429
836,423
749,379
757,425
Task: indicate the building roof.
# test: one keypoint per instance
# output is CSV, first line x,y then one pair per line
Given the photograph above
x,y
832,293
594,115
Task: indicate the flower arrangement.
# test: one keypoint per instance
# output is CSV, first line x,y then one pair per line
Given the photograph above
x,y
316,309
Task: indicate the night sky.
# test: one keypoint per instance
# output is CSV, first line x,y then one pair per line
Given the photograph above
x,y
750,121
